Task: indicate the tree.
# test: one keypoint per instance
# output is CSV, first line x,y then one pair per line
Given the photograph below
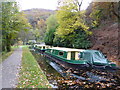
x,y
51,28
103,11
41,26
71,24
12,22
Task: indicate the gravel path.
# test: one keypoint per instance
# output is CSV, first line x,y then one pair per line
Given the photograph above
x,y
10,69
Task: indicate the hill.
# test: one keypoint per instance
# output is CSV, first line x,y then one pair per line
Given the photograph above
x,y
105,39
102,18
37,18
36,14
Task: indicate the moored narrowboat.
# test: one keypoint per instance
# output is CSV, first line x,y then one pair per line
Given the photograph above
x,y
79,58
41,48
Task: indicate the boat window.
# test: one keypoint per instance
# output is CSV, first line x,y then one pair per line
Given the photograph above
x,y
61,53
44,47
73,55
80,54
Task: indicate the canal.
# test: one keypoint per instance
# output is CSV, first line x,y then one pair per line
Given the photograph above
x,y
60,77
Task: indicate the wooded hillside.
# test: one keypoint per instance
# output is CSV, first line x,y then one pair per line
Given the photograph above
x,y
104,18
37,19
37,14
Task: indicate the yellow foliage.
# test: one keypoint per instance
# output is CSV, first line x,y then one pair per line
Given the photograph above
x,y
69,18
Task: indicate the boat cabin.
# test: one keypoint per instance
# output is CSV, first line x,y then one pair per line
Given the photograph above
x,y
68,53
42,46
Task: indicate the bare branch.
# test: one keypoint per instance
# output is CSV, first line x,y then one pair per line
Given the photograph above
x,y
79,5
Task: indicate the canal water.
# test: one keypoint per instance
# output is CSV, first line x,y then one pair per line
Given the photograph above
x,y
62,78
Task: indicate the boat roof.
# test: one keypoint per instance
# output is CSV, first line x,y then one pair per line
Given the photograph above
x,y
91,51
41,45
67,49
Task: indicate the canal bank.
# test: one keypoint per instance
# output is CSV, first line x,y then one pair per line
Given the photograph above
x,y
31,75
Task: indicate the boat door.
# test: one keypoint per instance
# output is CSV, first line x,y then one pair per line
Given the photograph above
x,y
73,55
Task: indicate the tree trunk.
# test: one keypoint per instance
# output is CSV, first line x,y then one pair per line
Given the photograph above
x,y
8,43
3,47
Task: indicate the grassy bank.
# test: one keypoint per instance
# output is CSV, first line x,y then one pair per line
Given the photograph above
x,y
5,55
31,75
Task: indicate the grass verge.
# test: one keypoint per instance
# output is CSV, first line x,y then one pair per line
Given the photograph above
x,y
31,75
5,55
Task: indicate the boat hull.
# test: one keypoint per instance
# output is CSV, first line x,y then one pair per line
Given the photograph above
x,y
66,64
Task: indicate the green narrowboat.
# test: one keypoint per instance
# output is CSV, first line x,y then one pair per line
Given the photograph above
x,y
41,48
79,58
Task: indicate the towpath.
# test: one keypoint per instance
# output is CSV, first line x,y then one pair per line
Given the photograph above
x,y
10,69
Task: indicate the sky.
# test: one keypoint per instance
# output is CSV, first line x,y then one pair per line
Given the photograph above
x,y
46,4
